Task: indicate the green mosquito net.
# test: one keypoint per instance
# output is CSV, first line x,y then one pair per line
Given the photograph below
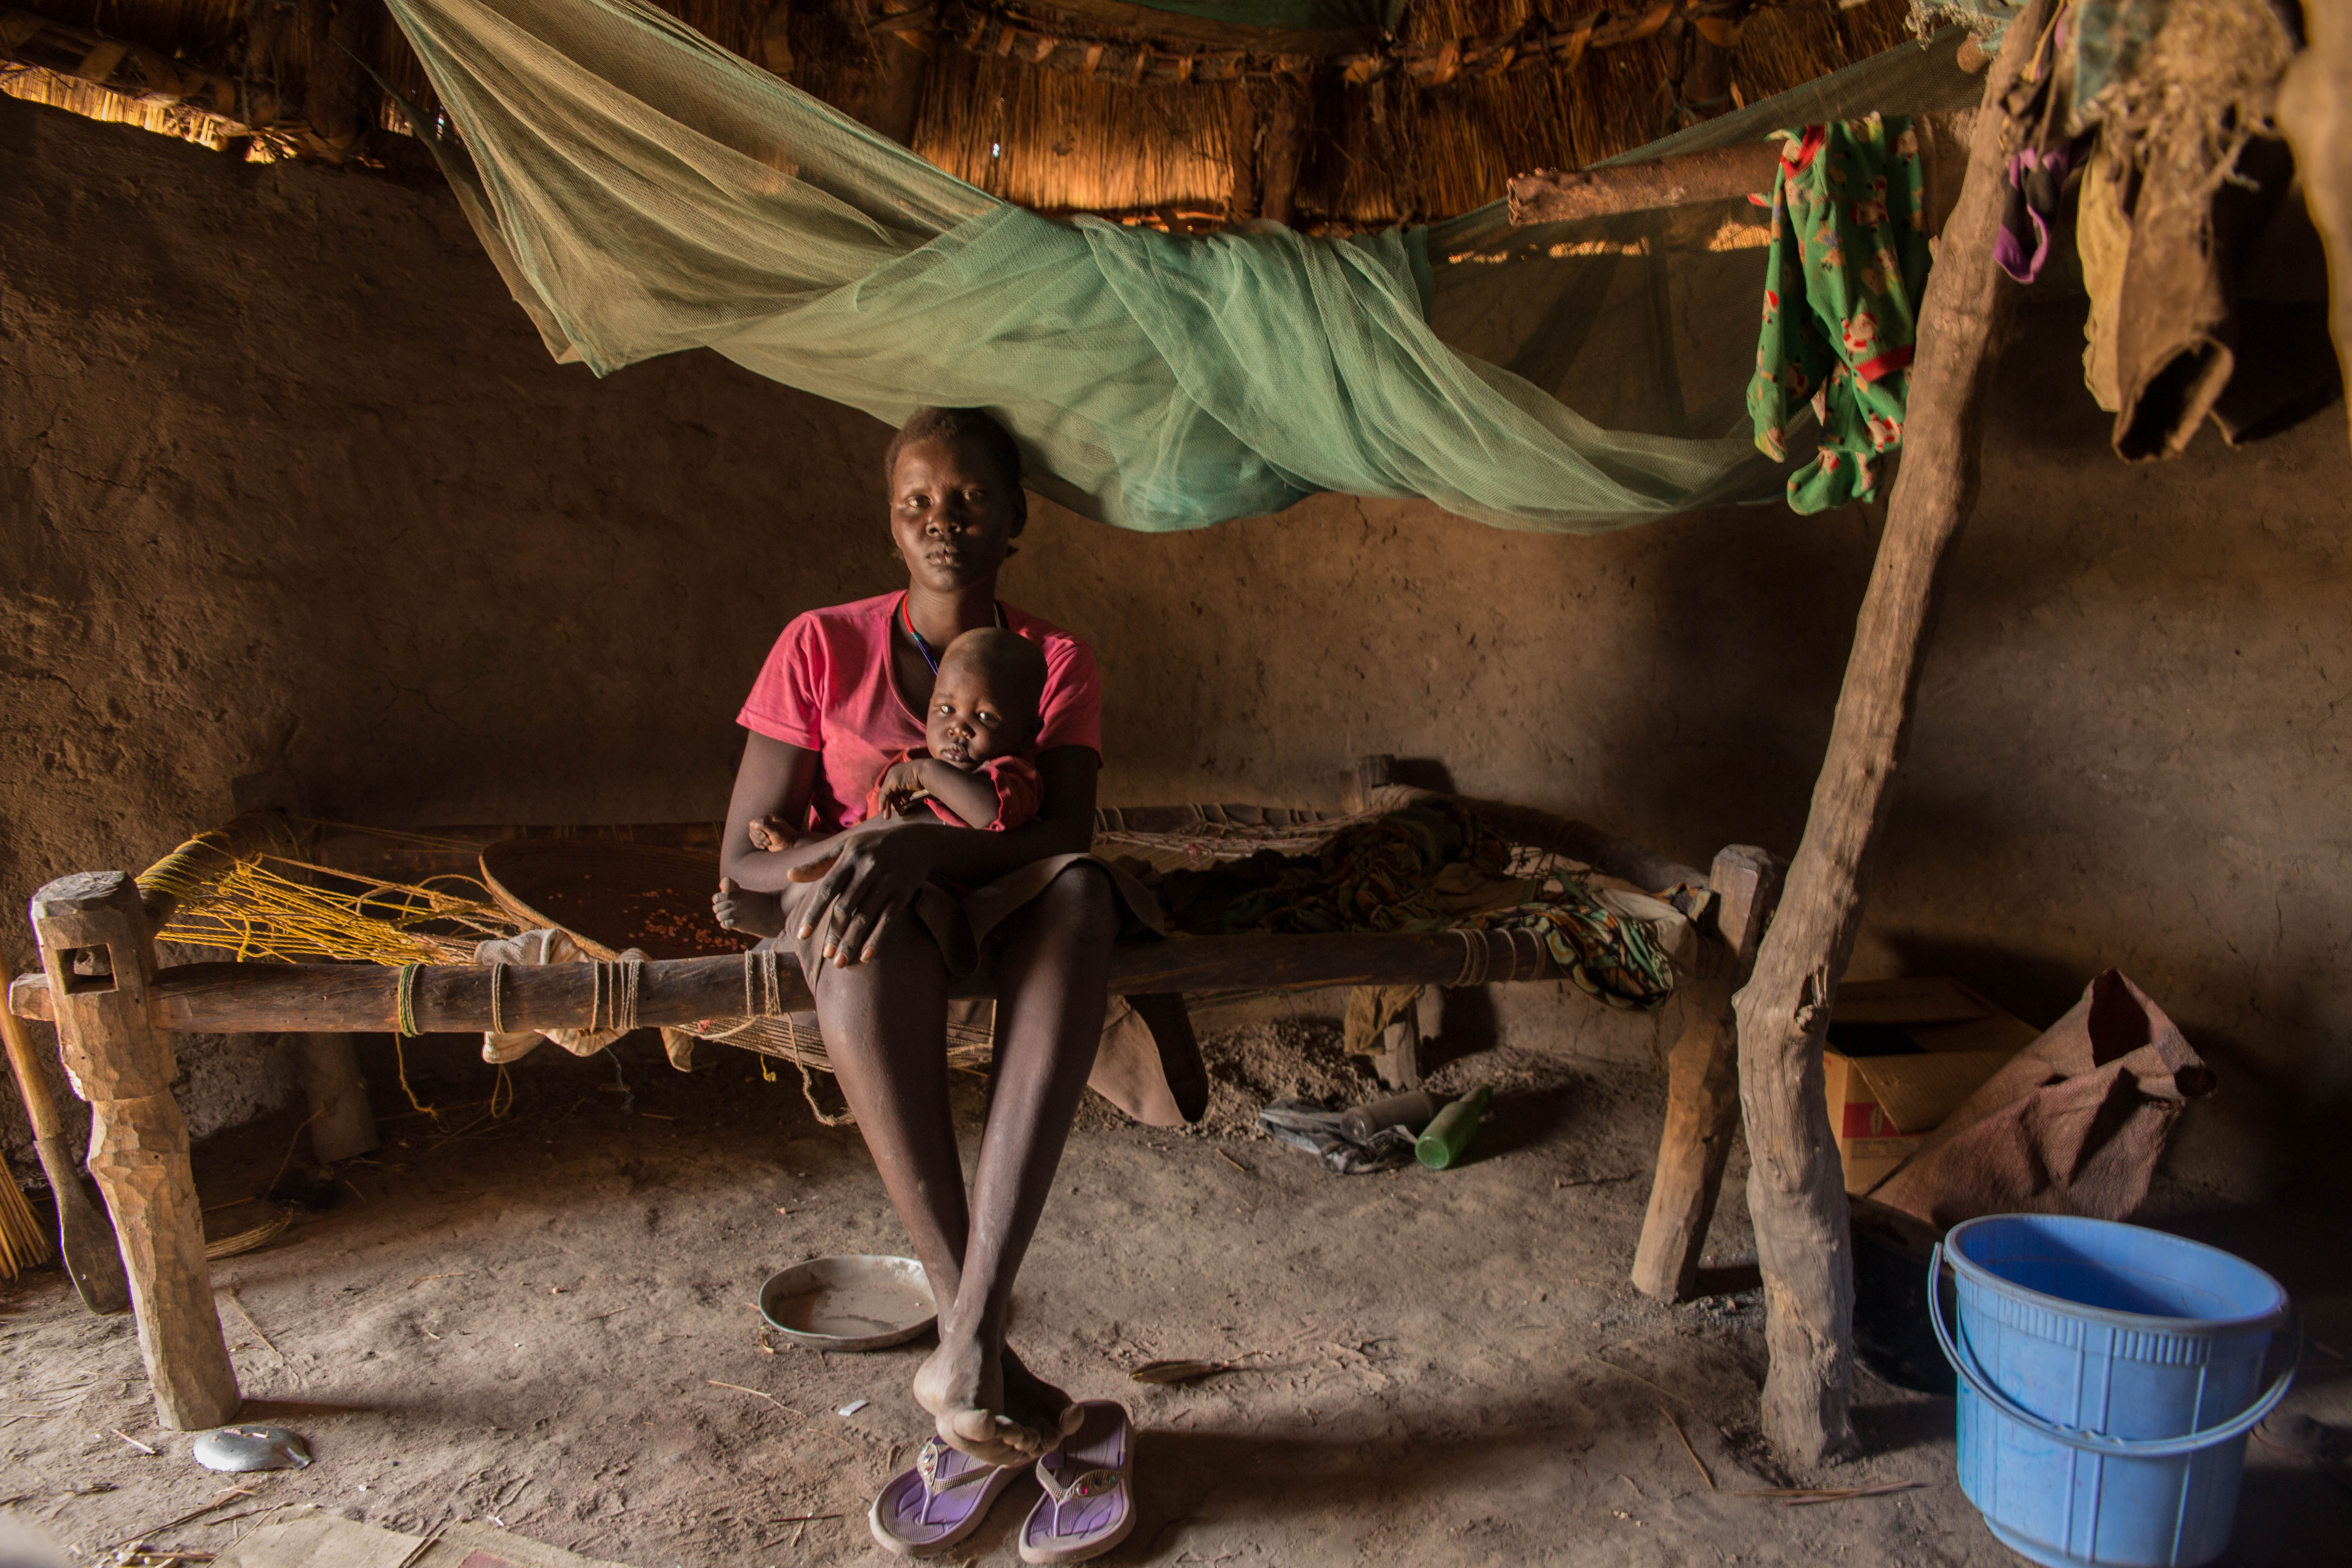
x,y
643,191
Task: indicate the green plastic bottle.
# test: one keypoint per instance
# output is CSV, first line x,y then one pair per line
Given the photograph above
x,y
1449,1133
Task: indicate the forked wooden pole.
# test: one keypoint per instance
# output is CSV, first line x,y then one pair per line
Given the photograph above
x,y
1795,1193
100,955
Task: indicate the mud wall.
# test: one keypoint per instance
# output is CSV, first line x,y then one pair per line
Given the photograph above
x,y
288,484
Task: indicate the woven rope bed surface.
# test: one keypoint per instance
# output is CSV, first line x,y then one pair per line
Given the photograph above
x,y
274,902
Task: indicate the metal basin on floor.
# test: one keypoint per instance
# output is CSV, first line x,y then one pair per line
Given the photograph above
x,y
850,1302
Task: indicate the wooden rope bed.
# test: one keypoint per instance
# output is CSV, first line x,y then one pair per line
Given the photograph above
x,y
116,1009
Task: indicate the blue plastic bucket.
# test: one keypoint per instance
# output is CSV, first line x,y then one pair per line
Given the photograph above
x,y
2108,1378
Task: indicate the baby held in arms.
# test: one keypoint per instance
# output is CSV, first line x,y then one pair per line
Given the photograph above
x,y
969,772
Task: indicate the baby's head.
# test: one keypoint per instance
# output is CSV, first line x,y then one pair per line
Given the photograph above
x,y
984,703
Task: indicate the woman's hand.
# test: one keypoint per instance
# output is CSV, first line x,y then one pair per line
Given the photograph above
x,y
875,875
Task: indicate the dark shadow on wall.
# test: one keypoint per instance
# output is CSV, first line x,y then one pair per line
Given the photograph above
x,y
1421,773
1750,613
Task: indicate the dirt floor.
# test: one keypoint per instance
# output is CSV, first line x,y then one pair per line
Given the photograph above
x,y
535,1319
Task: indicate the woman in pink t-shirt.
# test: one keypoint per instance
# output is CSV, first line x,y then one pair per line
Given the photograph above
x,y
884,931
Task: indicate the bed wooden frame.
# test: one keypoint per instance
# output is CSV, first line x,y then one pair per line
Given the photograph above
x,y
116,1011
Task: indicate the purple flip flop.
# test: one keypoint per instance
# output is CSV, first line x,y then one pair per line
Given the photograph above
x,y
1089,1502
938,1502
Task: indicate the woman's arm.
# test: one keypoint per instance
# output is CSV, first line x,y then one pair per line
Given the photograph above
x,y
879,871
774,779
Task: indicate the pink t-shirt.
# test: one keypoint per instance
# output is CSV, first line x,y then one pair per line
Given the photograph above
x,y
826,687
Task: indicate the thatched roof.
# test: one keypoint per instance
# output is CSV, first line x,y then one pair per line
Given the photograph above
x,y
1079,104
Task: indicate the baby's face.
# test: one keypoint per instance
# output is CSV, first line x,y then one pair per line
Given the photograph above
x,y
968,725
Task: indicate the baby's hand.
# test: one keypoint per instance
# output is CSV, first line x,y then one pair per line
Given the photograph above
x,y
770,833
902,787
754,913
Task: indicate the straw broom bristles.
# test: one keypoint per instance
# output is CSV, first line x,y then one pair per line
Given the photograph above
x,y
24,1242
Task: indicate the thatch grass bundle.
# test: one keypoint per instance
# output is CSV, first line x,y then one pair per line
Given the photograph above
x,y
1059,143
1386,149
36,85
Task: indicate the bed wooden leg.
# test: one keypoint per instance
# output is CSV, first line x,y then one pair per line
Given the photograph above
x,y
1399,1062
1703,1083
99,953
341,1124
1366,777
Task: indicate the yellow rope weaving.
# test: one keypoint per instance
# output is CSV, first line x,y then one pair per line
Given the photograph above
x,y
252,910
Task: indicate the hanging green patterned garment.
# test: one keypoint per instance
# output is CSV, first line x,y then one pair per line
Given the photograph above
x,y
1842,284
645,191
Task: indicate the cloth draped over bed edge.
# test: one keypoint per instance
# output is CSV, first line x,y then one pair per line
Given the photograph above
x,y
645,191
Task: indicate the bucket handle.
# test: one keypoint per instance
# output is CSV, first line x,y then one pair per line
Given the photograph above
x,y
1964,1362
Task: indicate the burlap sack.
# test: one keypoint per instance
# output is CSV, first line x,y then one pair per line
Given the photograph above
x,y
2073,1125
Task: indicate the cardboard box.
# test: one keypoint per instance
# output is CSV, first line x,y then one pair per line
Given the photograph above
x,y
1902,1055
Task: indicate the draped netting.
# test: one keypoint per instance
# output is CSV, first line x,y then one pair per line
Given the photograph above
x,y
645,191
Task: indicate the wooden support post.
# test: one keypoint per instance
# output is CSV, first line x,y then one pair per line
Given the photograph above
x,y
1705,89
904,33
772,40
100,957
341,1124
1703,1082
1796,1194
1714,174
335,93
2314,110
1290,130
1242,122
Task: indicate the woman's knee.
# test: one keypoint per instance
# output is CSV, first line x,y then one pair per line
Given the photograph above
x,y
904,959
1080,899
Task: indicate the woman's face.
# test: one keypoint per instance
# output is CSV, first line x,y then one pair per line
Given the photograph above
x,y
952,516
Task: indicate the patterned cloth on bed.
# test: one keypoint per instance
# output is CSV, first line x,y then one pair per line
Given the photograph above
x,y
1437,866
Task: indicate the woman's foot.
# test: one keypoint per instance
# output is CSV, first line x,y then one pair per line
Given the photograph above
x,y
990,1405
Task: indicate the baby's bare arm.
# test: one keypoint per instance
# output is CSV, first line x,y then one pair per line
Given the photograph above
x,y
970,796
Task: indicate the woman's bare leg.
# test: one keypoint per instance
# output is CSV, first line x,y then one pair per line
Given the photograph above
x,y
1053,990
884,1026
